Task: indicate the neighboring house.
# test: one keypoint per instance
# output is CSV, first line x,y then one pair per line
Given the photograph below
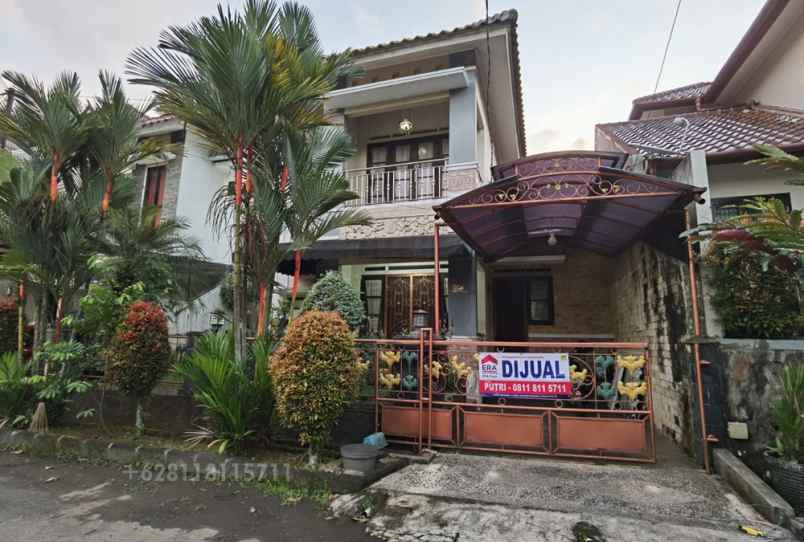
x,y
757,97
182,183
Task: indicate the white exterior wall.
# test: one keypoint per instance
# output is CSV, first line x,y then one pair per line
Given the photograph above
x,y
200,179
734,180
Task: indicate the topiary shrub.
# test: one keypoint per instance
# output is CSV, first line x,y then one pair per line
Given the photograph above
x,y
139,353
333,293
8,326
316,373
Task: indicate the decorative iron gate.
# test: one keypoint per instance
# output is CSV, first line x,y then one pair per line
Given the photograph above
x,y
426,396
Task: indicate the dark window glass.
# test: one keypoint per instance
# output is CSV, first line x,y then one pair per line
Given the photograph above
x,y
725,208
540,300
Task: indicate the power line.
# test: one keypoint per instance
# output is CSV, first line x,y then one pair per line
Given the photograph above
x,y
667,47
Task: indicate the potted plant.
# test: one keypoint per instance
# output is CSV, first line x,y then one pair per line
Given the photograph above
x,y
785,457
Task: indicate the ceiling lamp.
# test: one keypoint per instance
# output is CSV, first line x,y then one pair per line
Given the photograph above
x,y
406,125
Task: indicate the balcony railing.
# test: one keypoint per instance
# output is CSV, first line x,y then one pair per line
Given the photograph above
x,y
409,181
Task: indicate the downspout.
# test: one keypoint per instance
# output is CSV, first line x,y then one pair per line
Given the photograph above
x,y
706,438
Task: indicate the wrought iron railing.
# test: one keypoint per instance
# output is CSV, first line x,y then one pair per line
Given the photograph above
x,y
428,394
409,181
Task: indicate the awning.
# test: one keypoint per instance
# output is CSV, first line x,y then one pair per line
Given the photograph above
x,y
388,249
553,201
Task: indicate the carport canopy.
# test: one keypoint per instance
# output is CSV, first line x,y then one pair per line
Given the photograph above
x,y
546,203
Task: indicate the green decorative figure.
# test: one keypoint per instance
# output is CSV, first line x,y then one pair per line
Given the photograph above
x,y
409,381
605,391
602,364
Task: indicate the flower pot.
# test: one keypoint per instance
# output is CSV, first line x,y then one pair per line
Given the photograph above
x,y
359,457
787,478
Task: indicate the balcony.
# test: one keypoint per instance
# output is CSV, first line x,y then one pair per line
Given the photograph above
x,y
409,181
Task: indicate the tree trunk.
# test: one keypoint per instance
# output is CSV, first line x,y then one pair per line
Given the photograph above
x,y
107,194
54,178
296,278
59,316
238,316
21,322
139,423
41,323
261,308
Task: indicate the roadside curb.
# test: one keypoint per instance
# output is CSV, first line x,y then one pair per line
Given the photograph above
x,y
193,465
756,492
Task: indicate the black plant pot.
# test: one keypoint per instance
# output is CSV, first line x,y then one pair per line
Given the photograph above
x,y
787,478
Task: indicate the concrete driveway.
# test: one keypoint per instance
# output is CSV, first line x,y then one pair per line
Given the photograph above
x,y
484,498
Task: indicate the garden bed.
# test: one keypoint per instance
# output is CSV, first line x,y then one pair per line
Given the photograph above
x,y
172,459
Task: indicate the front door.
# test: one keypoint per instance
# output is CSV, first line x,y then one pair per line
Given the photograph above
x,y
510,299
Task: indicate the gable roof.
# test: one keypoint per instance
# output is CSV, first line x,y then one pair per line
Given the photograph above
x,y
722,131
687,94
504,18
762,23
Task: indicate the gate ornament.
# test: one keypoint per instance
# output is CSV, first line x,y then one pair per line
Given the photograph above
x,y
602,363
606,391
632,390
390,358
631,363
577,376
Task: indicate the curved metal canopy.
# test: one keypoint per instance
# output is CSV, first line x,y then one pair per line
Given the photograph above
x,y
577,199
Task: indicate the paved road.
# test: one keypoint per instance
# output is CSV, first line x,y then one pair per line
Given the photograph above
x,y
90,503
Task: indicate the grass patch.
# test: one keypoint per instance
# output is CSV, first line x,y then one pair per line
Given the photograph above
x,y
289,493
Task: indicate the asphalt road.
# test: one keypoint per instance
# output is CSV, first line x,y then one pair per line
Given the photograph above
x,y
91,503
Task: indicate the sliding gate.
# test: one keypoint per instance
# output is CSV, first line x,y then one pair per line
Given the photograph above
x,y
437,394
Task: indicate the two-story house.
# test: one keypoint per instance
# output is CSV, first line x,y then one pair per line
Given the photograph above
x,y
429,117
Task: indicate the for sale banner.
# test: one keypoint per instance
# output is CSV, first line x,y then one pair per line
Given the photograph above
x,y
524,374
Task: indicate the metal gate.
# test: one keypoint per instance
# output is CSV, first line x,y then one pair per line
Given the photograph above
x,y
426,396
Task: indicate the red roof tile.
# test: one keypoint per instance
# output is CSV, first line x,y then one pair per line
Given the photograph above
x,y
687,92
716,131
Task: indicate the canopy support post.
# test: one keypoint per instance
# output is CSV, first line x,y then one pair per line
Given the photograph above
x,y
437,276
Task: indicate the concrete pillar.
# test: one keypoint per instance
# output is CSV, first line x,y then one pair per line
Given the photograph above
x,y
462,298
463,123
693,170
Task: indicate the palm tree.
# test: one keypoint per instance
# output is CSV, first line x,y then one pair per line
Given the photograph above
x,y
317,188
45,122
112,140
239,79
137,248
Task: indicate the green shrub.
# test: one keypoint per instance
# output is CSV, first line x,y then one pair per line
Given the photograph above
x,y
16,392
67,361
333,293
316,373
238,408
8,326
139,353
788,415
752,298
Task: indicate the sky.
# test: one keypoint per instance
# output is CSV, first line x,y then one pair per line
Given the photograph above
x,y
582,61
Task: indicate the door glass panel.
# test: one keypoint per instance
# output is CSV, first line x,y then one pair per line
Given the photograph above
x,y
402,154
445,147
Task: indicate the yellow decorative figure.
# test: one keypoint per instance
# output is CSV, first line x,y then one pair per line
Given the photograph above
x,y
436,370
631,363
390,358
632,390
458,367
577,376
388,379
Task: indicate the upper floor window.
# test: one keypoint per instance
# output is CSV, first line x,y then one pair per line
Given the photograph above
x,y
155,179
725,208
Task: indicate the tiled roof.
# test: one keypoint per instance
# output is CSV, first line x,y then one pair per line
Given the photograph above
x,y
716,131
507,17
159,119
687,92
